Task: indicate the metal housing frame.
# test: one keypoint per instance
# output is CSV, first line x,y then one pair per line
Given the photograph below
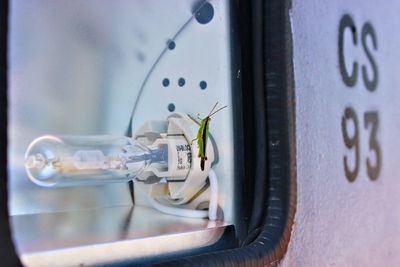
x,y
269,173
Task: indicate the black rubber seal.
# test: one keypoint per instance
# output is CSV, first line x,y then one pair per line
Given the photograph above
x,y
269,139
8,255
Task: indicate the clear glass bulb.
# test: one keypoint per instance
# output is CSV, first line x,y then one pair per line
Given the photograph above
x,y
78,160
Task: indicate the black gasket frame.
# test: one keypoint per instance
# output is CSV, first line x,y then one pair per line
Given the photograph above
x,y
8,254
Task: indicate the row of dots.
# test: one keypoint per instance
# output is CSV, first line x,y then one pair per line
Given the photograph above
x,y
181,83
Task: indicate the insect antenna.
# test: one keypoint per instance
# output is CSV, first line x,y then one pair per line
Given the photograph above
x,y
217,111
213,109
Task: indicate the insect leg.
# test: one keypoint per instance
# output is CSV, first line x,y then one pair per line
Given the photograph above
x,y
191,142
193,119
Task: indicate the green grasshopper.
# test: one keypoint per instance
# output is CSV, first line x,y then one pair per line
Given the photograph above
x,y
202,134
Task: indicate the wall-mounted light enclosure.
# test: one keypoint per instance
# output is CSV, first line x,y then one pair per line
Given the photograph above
x,y
102,152
106,86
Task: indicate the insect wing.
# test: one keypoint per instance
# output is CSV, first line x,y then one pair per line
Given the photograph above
x,y
205,136
200,140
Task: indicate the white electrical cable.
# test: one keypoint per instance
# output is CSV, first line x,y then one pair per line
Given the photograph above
x,y
212,208
177,211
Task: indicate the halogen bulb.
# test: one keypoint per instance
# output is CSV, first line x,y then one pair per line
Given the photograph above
x,y
89,159
73,160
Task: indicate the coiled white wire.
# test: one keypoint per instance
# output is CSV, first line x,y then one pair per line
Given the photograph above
x,y
212,208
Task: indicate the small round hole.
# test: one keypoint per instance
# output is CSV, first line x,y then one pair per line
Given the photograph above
x,y
165,82
181,82
171,107
203,85
171,45
205,13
